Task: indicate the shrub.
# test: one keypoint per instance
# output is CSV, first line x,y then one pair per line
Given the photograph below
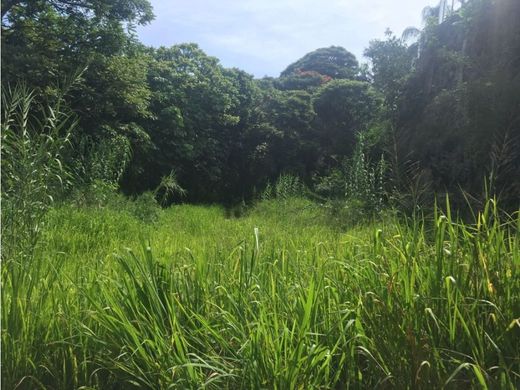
x,y
104,158
356,189
98,194
168,188
146,208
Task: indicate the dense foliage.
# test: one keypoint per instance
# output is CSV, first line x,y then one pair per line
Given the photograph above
x,y
459,113
443,100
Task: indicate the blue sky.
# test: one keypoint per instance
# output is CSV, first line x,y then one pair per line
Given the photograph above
x,y
263,37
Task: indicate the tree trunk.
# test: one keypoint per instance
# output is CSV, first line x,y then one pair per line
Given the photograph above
x,y
460,69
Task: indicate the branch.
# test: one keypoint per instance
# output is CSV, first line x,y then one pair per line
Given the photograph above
x,y
7,5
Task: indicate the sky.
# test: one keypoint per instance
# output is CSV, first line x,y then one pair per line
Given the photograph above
x,y
263,37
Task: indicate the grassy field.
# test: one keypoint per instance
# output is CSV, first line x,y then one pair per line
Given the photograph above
x,y
277,299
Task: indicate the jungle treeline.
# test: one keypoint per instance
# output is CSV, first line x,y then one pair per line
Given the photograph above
x,y
434,110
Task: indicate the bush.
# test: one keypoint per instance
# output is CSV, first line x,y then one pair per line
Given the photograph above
x,y
331,186
101,158
146,208
98,194
169,188
356,189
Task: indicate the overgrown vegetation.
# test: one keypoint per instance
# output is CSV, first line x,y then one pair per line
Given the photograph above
x,y
444,99
358,247
405,304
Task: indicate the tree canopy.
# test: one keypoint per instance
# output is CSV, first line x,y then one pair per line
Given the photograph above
x,y
445,103
133,11
333,61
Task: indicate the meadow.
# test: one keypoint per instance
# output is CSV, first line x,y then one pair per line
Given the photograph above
x,y
122,297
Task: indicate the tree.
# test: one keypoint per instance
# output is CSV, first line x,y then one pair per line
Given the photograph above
x,y
133,11
44,41
307,80
240,173
458,116
432,16
333,61
343,108
193,115
391,62
291,145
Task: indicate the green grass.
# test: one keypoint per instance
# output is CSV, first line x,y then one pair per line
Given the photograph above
x,y
191,301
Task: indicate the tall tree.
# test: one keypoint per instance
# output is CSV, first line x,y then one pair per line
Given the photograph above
x,y
193,108
133,11
459,116
343,108
391,62
45,41
333,61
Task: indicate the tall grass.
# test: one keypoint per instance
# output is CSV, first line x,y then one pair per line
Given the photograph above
x,y
34,139
286,186
197,304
